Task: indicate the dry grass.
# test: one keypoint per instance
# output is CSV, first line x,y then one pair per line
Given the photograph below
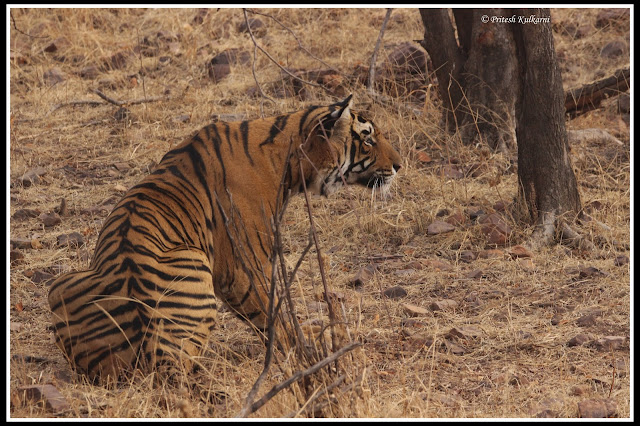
x,y
520,363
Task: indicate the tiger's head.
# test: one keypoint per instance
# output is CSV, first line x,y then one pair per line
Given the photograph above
x,y
356,152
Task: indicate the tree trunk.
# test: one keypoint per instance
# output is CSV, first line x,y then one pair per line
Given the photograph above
x,y
547,183
500,82
477,77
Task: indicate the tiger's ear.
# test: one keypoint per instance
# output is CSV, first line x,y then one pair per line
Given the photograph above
x,y
344,106
343,125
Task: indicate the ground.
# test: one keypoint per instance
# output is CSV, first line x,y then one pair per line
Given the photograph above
x,y
475,327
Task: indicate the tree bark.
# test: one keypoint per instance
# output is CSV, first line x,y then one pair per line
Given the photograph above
x,y
447,59
500,83
476,74
547,184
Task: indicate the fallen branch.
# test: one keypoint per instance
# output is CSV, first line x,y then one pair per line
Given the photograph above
x,y
108,100
588,97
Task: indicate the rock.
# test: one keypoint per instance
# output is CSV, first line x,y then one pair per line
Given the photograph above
x,y
609,343
439,227
438,265
16,256
589,272
32,176
605,16
578,340
47,394
442,305
233,56
423,157
118,60
89,72
21,243
476,273
22,214
456,219
597,408
407,58
364,275
580,390
50,219
450,171
257,27
41,277
586,321
556,319
219,71
613,49
621,260
396,292
491,254
526,264
495,228
465,331
413,310
468,256
454,348
74,239
519,251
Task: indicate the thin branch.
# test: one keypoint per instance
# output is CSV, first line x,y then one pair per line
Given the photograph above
x,y
297,39
253,64
374,57
108,101
20,31
280,66
298,376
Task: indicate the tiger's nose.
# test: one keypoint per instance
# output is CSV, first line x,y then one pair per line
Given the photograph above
x,y
396,167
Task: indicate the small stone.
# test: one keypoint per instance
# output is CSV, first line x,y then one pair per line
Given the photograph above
x,y
621,260
450,171
16,256
556,319
439,227
578,340
74,239
396,292
605,16
491,254
475,274
468,256
456,219
50,219
465,331
438,265
53,76
519,251
23,214
89,72
41,277
580,390
526,264
444,304
597,408
413,310
609,343
364,275
32,176
586,321
613,49
454,348
258,28
47,394
589,272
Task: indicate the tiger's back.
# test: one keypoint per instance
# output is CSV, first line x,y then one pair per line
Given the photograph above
x,y
197,231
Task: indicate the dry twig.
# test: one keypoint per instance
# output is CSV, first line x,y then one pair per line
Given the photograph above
x,y
280,66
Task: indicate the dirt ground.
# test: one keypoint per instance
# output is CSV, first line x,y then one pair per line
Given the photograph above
x,y
453,323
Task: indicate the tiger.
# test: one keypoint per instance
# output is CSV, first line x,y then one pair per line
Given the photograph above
x,y
176,244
